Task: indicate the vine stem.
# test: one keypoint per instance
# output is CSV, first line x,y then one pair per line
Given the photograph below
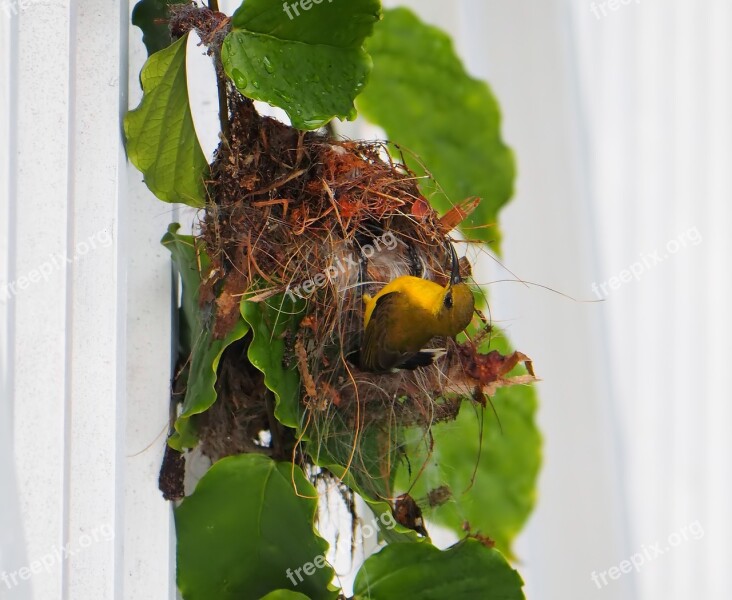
x,y
221,82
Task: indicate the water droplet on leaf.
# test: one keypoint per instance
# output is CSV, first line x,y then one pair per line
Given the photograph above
x,y
240,81
314,122
285,97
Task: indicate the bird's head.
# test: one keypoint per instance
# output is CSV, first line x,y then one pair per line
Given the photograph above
x,y
458,303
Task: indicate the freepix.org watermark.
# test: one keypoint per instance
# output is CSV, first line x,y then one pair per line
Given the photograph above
x,y
690,237
648,553
341,266
55,262
55,556
13,7
599,8
293,8
319,562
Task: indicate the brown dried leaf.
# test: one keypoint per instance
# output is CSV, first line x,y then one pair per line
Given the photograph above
x,y
227,314
489,370
408,514
421,208
457,214
302,366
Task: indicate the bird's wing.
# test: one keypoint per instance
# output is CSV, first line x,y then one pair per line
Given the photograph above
x,y
375,353
383,346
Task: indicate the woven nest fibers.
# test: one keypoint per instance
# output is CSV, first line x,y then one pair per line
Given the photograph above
x,y
301,220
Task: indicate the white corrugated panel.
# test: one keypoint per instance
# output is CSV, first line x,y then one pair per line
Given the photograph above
x,y
86,324
12,546
149,542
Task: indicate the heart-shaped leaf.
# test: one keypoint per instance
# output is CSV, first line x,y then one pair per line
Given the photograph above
x,y
161,138
305,57
493,483
270,321
466,571
244,533
196,338
420,93
151,16
285,595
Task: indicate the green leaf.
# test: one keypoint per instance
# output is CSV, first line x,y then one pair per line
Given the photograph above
x,y
196,337
161,138
285,595
361,470
420,93
151,16
504,491
244,533
190,264
310,63
200,389
270,321
466,571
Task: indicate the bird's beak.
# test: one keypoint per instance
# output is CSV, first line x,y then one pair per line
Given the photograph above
x,y
455,272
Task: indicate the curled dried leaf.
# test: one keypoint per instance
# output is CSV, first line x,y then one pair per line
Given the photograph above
x,y
457,214
489,371
408,514
302,366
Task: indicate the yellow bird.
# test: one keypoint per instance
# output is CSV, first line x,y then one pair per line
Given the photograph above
x,y
406,314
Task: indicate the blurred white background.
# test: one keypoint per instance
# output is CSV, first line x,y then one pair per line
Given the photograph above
x,y
619,115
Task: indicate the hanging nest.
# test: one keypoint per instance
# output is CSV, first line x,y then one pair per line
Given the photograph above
x,y
305,225
300,219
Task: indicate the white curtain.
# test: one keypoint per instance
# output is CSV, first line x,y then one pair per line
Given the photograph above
x,y
620,116
619,113
655,100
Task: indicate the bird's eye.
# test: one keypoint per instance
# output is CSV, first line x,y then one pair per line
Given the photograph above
x,y
448,299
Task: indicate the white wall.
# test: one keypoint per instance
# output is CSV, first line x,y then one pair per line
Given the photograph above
x,y
85,343
12,546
